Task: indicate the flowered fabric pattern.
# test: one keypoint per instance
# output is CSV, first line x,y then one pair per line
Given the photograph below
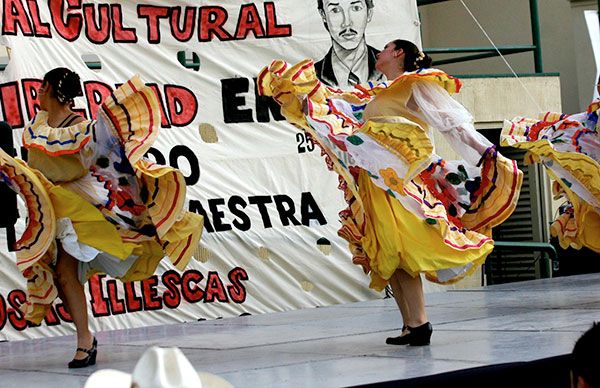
x,y
90,187
407,207
569,147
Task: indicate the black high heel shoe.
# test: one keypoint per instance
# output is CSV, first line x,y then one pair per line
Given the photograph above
x,y
420,335
400,340
417,336
89,360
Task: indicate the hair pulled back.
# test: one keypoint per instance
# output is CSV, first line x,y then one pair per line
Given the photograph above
x,y
65,84
414,59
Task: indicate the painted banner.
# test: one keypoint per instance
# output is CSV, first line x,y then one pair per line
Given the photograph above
x,y
269,202
591,19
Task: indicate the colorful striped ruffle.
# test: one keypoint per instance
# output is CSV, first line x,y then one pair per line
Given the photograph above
x,y
132,114
458,241
569,147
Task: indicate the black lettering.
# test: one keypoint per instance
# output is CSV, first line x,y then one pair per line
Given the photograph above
x,y
157,155
264,105
217,215
285,207
179,151
231,100
196,207
243,221
261,201
309,210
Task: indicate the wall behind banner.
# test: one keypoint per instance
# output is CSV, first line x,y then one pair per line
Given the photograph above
x,y
270,205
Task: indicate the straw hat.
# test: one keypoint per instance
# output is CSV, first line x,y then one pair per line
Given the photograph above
x,y
157,368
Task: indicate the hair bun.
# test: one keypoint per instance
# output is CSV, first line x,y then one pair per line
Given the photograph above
x,y
423,61
65,83
70,86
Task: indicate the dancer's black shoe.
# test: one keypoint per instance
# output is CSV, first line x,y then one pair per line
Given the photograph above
x,y
89,360
417,336
400,340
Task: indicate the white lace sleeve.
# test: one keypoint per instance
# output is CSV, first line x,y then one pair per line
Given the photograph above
x,y
433,104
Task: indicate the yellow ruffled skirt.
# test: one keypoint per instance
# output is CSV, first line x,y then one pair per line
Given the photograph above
x,y
126,207
394,238
569,147
413,211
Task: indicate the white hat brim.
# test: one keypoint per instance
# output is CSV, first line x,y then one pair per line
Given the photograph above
x,y
108,378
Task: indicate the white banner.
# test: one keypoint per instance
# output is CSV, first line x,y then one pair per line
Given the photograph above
x,y
270,205
591,19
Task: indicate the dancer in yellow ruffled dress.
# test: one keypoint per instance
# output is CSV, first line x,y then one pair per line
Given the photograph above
x,y
409,211
569,147
94,203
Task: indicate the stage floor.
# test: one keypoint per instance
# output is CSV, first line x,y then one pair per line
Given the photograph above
x,y
341,345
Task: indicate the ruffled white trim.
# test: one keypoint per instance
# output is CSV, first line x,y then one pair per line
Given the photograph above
x,y
447,274
68,238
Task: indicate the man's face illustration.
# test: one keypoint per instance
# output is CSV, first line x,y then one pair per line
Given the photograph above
x,y
346,21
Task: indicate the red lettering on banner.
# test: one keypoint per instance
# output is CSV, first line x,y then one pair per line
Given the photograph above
x,y
16,318
190,294
152,14
51,318
61,310
214,287
69,17
171,297
211,24
2,312
182,105
56,314
97,33
150,294
121,34
184,33
30,92
249,20
132,301
273,29
99,303
237,291
95,93
70,28
106,298
117,305
42,30
14,15
10,102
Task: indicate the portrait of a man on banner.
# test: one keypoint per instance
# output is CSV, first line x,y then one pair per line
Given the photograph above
x,y
350,60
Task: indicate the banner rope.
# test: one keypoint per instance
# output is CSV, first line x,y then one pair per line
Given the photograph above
x,y
502,56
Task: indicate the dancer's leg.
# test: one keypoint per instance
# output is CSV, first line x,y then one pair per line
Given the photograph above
x,y
412,290
74,298
400,299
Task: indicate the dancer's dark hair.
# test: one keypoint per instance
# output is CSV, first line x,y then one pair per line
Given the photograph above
x,y
414,59
584,359
65,84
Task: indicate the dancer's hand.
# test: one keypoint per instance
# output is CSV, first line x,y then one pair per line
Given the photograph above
x,y
304,101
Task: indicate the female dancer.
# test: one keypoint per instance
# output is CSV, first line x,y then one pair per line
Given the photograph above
x,y
569,147
94,203
409,211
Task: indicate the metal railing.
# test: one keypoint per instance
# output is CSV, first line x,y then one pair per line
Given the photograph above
x,y
488,52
